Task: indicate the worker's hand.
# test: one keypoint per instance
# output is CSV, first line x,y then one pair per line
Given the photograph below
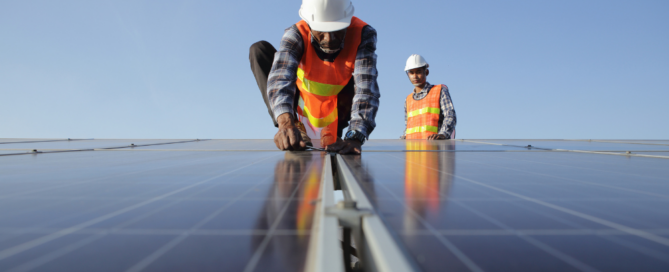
x,y
437,137
288,137
345,147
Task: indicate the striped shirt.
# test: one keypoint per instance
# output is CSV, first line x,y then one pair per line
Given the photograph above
x,y
447,118
281,88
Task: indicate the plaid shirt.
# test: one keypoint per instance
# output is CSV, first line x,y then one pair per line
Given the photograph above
x,y
447,118
281,86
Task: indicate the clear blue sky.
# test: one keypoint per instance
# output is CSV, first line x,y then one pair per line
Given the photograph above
x,y
179,69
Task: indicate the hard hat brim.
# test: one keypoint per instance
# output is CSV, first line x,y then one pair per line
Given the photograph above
x,y
328,26
407,68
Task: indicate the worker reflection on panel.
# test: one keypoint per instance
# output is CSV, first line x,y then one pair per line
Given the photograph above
x,y
323,76
428,111
292,202
427,180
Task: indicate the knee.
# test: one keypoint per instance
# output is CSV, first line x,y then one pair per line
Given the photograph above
x,y
259,48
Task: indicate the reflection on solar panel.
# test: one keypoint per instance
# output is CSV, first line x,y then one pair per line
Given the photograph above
x,y
241,205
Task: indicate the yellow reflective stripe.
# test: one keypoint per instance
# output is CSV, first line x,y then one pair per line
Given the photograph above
x,y
423,110
321,122
318,88
422,129
318,122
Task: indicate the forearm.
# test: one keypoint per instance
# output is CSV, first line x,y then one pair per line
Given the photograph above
x,y
281,87
448,113
281,92
363,113
448,125
406,120
366,99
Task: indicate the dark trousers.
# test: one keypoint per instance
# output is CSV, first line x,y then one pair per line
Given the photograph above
x,y
261,56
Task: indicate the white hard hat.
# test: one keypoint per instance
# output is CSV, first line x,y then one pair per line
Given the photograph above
x,y
327,15
415,61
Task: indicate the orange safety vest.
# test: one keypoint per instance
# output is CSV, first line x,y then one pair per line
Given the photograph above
x,y
423,115
320,81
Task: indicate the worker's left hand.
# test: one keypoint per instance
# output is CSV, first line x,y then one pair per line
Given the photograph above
x,y
437,137
345,147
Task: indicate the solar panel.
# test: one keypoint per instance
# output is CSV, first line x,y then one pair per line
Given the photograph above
x,y
242,205
522,211
157,211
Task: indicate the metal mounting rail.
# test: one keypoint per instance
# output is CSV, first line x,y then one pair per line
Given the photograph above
x,y
124,148
603,152
377,249
325,252
44,141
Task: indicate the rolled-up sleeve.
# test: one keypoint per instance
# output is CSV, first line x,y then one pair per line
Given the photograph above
x,y
281,81
366,99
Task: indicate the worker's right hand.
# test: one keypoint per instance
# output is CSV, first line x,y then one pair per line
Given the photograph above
x,y
288,137
437,137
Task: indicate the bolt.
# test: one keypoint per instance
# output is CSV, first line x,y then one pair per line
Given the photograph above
x,y
34,150
69,139
629,152
529,146
132,144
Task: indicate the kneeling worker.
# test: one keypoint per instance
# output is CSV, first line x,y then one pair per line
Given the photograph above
x,y
321,80
428,111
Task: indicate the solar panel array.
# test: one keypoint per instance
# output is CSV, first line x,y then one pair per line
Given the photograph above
x,y
242,205
532,207
138,210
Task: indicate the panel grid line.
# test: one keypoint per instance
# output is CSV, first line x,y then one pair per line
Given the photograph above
x,y
570,179
44,239
144,263
633,231
586,168
546,248
99,207
556,253
94,179
461,256
255,258
553,252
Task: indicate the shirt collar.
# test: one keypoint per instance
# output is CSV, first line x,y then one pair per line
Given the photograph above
x,y
426,88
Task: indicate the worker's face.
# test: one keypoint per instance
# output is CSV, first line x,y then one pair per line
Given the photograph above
x,y
329,42
418,76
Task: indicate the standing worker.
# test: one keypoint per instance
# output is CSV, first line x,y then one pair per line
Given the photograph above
x,y
322,77
428,111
